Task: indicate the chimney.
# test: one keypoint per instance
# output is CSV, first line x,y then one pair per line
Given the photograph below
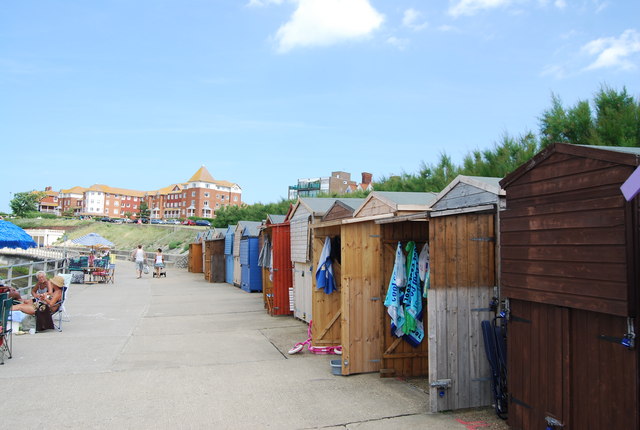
x,y
366,178
47,188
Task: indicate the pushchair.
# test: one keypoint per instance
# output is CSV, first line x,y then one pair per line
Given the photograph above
x,y
495,344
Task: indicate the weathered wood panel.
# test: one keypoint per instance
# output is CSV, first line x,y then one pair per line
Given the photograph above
x,y
400,359
282,270
326,329
337,212
300,235
464,195
237,269
462,251
326,308
195,258
564,236
214,262
362,300
565,363
374,207
302,285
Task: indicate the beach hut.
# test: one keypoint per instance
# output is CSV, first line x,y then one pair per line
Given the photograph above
x,y
228,253
214,259
570,247
237,236
277,276
326,308
463,258
251,274
304,212
195,261
368,244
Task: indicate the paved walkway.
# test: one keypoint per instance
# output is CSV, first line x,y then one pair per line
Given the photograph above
x,y
179,352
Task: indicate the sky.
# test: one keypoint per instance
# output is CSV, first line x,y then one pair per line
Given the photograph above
x,y
140,94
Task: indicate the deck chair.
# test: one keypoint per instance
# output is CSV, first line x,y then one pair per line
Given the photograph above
x,y
61,314
5,330
106,275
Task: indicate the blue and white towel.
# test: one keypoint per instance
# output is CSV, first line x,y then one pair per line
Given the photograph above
x,y
393,300
324,272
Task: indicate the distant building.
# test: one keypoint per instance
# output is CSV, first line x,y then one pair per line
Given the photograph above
x,y
338,182
200,196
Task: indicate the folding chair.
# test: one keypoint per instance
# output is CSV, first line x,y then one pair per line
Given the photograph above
x,y
5,331
61,314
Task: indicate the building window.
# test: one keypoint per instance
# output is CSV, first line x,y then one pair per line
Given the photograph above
x,y
135,206
235,198
115,211
193,193
206,194
206,185
222,197
206,203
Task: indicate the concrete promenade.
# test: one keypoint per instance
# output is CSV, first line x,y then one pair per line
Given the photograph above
x,y
179,352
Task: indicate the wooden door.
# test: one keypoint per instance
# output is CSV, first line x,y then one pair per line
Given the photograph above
x,y
538,364
326,307
362,298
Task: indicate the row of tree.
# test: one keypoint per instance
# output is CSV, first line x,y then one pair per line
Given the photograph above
x,y
613,121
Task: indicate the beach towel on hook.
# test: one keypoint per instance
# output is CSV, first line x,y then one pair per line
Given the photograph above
x,y
324,272
393,300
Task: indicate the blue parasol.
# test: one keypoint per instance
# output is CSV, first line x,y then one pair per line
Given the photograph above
x,y
93,240
12,236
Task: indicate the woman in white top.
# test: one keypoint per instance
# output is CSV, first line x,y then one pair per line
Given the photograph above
x,y
159,262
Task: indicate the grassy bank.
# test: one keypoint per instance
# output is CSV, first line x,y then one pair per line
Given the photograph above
x,y
173,239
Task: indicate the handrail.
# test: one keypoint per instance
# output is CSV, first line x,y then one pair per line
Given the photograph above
x,y
49,266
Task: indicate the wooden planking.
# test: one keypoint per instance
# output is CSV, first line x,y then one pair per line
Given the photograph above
x,y
195,258
374,206
361,282
302,284
463,277
282,269
465,195
237,270
326,309
560,366
337,211
299,236
401,359
214,260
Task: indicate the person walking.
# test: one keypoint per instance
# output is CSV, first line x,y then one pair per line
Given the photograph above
x,y
138,256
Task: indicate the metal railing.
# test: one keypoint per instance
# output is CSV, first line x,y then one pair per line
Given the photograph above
x,y
23,276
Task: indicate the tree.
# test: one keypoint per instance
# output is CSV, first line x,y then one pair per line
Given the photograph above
x,y
504,158
144,210
230,215
25,202
616,121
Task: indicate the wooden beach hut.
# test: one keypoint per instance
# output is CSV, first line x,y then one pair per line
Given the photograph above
x,y
251,273
368,244
304,212
214,259
228,253
196,260
570,247
463,241
326,308
277,280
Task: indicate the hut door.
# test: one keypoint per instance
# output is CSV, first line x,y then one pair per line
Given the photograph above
x,y
362,300
538,361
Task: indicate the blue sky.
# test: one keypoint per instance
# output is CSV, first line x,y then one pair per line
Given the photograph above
x,y
140,94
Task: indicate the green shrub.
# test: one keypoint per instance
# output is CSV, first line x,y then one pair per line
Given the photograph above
x,y
174,244
185,248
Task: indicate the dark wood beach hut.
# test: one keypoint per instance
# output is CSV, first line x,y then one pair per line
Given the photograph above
x,y
214,259
570,258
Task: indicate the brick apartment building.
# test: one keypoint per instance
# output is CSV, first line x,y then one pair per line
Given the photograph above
x,y
200,196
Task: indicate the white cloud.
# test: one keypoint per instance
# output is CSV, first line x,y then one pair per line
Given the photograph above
x,y
399,43
413,19
327,22
614,52
471,7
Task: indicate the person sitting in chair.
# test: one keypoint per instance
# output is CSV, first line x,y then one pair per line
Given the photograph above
x,y
159,263
40,289
51,299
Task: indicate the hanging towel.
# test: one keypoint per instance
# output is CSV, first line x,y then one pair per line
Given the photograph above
x,y
264,258
324,272
413,327
425,271
393,300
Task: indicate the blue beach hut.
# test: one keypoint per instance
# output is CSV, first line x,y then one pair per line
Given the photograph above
x,y
251,273
228,253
